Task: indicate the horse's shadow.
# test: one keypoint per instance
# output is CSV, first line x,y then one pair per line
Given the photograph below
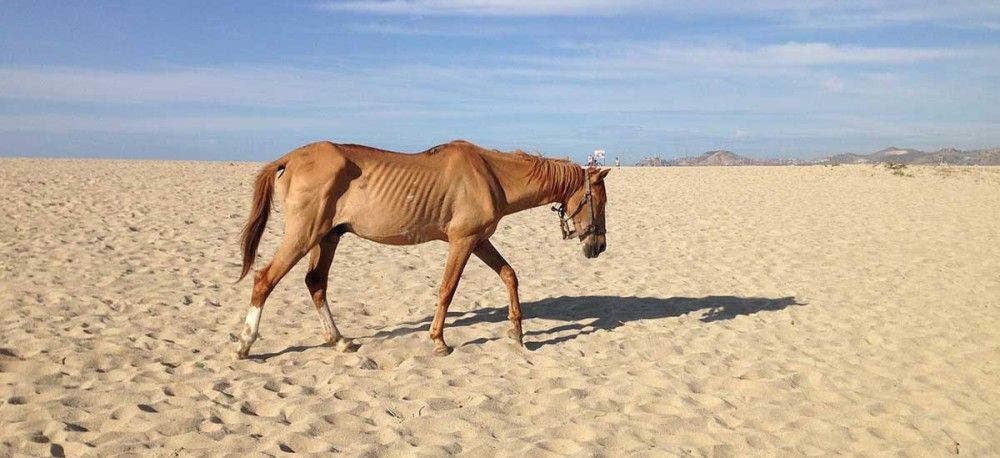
x,y
292,349
588,314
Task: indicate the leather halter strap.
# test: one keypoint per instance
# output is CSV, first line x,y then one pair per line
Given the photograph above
x,y
565,221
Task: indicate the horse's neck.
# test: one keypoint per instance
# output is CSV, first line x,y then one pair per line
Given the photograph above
x,y
528,184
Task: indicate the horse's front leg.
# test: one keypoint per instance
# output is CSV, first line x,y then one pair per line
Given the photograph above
x,y
458,255
489,255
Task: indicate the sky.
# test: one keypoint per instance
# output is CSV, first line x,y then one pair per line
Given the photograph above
x,y
251,80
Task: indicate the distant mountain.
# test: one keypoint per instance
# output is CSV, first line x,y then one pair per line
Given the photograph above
x,y
911,156
652,161
718,158
724,158
712,158
891,154
989,156
846,158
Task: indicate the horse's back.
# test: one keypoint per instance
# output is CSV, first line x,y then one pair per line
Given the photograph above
x,y
392,197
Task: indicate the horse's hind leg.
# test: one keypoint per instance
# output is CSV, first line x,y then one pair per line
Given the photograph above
x,y
316,280
291,250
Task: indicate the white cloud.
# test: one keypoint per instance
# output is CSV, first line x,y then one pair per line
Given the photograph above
x,y
803,13
284,87
677,84
491,7
832,83
827,54
973,14
56,123
547,80
236,86
631,60
882,78
430,31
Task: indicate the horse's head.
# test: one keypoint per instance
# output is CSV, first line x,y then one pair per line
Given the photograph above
x,y
585,208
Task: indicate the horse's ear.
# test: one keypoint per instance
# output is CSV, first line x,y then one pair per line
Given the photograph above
x,y
603,173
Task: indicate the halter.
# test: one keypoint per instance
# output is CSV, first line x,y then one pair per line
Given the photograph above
x,y
569,230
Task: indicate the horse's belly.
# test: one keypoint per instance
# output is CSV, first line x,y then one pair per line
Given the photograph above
x,y
396,235
395,216
395,226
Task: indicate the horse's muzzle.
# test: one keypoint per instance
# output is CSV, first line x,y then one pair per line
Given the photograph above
x,y
594,247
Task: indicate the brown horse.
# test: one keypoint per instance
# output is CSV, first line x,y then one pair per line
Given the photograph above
x,y
455,192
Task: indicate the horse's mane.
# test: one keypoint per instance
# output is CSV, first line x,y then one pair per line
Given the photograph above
x,y
558,177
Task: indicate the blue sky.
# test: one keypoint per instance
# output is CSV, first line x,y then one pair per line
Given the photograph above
x,y
254,79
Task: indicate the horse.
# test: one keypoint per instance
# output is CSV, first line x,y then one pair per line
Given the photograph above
x,y
455,192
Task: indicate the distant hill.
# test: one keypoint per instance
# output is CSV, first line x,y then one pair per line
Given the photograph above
x,y
846,158
891,154
712,158
652,161
911,156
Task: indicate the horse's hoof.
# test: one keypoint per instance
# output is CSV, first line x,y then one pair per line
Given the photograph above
x,y
442,350
516,335
238,355
345,345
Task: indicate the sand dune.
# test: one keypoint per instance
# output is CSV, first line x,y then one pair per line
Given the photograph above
x,y
737,311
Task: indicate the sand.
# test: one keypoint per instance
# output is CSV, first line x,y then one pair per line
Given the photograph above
x,y
737,311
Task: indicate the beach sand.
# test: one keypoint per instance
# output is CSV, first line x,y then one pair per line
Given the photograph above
x,y
737,311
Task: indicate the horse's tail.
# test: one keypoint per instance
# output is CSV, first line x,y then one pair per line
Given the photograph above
x,y
259,211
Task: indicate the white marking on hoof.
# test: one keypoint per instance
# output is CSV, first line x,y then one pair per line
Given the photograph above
x,y
253,321
249,333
